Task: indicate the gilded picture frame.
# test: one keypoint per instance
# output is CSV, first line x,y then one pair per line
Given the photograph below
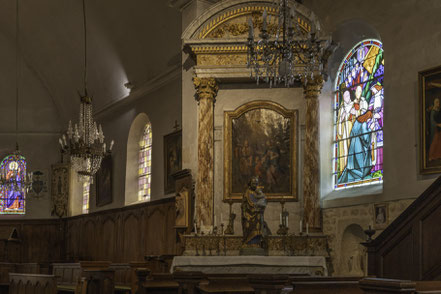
x,y
182,202
260,139
381,216
429,82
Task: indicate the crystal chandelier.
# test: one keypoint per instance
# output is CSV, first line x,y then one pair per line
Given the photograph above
x,y
84,142
14,177
289,53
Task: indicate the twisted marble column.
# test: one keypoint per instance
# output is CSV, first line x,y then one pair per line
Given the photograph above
x,y
311,170
206,91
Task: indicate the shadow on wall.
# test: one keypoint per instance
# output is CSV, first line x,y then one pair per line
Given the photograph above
x,y
352,259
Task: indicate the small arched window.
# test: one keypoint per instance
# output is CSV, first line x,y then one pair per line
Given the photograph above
x,y
12,201
145,164
86,196
358,124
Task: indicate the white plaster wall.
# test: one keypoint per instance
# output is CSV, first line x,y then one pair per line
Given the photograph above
x,y
162,107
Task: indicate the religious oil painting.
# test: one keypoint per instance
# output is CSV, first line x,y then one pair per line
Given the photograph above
x,y
358,117
260,140
430,97
381,216
172,159
104,182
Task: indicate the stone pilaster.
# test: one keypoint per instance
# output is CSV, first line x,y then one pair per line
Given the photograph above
x,y
311,170
206,91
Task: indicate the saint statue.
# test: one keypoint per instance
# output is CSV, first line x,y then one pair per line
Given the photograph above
x,y
254,227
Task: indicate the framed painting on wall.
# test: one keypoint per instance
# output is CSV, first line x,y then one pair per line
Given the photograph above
x,y
430,98
260,140
172,159
381,216
104,182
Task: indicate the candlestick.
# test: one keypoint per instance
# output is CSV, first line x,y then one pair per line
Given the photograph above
x,y
307,229
301,226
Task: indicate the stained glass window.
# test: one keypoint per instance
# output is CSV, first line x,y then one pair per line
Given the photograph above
x,y
12,201
145,164
358,109
86,196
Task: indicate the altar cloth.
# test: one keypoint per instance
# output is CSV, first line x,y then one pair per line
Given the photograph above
x,y
310,265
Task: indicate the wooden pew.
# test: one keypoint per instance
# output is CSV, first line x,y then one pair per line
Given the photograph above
x,y
226,283
32,284
161,283
326,285
27,268
67,275
386,286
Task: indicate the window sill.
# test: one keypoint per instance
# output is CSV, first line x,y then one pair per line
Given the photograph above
x,y
352,196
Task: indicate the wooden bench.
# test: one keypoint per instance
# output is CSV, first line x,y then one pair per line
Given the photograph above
x,y
161,283
326,285
67,275
32,284
226,283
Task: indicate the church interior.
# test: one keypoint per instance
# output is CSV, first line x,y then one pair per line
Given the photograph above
x,y
220,146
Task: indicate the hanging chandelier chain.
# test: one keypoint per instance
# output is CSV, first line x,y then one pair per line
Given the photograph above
x,y
17,71
285,53
84,142
85,46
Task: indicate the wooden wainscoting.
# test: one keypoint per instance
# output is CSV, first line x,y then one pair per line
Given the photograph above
x,y
39,241
123,235
119,235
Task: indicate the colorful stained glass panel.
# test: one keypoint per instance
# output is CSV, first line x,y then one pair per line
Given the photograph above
x,y
358,113
11,201
145,163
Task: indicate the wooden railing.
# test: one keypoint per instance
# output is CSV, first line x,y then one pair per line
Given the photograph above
x,y
408,247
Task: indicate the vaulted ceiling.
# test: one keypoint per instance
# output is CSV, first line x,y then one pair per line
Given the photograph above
x,y
131,40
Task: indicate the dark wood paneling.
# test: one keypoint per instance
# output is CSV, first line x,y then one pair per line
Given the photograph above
x,y
398,259
407,248
119,235
431,235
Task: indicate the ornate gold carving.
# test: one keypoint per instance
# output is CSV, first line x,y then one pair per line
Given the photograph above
x,y
313,87
220,49
218,26
222,59
277,245
206,88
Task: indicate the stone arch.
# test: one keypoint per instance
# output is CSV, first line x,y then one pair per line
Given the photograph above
x,y
352,259
135,133
227,11
347,34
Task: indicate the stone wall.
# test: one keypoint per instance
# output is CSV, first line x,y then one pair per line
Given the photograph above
x,y
345,226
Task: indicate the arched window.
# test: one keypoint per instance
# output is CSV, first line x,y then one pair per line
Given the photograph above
x,y
86,196
358,108
11,200
145,164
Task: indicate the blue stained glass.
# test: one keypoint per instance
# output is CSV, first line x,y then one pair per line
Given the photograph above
x,y
12,202
358,113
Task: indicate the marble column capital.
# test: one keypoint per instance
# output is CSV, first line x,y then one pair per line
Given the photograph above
x,y
206,88
313,87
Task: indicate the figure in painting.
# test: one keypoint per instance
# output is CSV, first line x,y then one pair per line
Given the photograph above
x,y
254,227
272,156
376,125
358,165
435,131
246,159
345,120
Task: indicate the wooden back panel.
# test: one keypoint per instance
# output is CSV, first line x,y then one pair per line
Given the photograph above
x,y
32,284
